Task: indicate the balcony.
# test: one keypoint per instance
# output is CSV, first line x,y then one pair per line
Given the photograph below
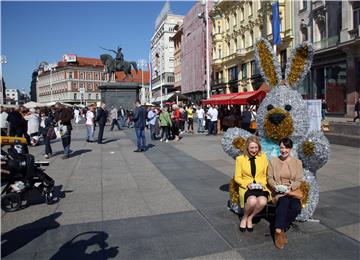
x,y
240,52
326,43
354,33
217,37
218,82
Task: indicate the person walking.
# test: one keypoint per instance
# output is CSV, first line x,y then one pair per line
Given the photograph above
x,y
165,124
62,117
190,117
121,116
213,113
101,117
33,122
139,124
246,119
200,113
357,110
152,118
90,124
77,115
3,121
114,118
46,121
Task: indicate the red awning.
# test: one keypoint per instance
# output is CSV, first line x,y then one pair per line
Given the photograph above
x,y
243,98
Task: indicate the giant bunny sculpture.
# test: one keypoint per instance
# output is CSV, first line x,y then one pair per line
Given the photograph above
x,y
283,113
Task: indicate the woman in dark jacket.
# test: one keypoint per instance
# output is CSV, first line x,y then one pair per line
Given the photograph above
x,y
45,123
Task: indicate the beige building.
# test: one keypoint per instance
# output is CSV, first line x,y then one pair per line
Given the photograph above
x,y
177,56
236,27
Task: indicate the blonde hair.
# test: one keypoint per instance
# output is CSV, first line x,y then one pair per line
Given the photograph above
x,y
251,139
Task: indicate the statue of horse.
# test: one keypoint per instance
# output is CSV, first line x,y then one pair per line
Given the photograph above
x,y
112,66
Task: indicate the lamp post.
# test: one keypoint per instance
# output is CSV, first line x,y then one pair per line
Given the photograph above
x,y
177,96
3,61
205,3
142,63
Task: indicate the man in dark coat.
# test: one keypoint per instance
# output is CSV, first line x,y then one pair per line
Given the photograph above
x,y
357,109
101,117
63,116
140,115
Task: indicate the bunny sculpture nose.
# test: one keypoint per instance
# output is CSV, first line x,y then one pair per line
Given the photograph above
x,y
276,118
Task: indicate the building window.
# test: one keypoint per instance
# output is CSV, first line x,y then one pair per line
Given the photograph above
x,y
74,86
235,45
229,49
242,45
254,69
242,14
219,53
251,38
228,23
81,75
233,74
234,21
356,15
219,28
250,8
75,96
70,75
89,96
283,59
89,86
97,96
244,71
303,5
304,34
88,75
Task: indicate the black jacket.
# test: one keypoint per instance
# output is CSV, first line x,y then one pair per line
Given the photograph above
x,y
140,115
101,116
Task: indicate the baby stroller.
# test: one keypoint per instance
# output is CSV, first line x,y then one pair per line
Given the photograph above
x,y
25,176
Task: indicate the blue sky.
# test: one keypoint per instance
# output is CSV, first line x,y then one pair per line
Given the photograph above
x,y
32,32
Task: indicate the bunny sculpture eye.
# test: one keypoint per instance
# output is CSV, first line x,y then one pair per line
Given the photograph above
x,y
269,107
287,107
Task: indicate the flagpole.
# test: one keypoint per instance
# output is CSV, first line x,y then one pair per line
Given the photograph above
x,y
150,71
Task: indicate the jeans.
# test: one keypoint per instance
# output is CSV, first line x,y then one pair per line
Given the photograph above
x,y
287,208
140,136
66,141
191,124
90,133
212,127
200,125
152,132
48,149
165,130
122,121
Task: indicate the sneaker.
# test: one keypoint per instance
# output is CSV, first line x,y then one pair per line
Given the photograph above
x,y
161,140
166,141
46,156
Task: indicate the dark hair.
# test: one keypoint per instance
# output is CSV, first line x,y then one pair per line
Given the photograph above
x,y
287,142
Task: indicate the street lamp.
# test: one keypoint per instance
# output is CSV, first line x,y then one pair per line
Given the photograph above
x,y
205,3
3,61
177,96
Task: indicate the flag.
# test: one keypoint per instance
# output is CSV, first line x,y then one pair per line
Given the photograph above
x,y
275,23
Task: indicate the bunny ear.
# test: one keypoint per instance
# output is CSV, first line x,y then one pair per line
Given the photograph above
x,y
299,64
267,62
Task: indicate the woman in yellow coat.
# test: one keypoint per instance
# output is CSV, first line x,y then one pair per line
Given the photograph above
x,y
250,174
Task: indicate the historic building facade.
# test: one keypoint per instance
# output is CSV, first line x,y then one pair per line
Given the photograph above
x,y
77,81
333,27
162,53
236,27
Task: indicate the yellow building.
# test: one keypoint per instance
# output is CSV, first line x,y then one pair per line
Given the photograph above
x,y
237,25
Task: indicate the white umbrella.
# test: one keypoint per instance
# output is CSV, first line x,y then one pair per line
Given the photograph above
x,y
33,104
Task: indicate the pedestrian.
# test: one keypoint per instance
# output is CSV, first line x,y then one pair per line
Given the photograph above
x,y
190,117
90,124
140,115
152,118
357,110
121,116
33,122
77,115
165,124
62,117
200,114
176,118
250,174
114,118
17,124
323,109
213,114
3,121
246,119
284,171
101,117
46,122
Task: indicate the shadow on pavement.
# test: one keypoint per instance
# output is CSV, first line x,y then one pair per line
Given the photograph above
x,y
80,245
224,187
79,152
22,235
109,141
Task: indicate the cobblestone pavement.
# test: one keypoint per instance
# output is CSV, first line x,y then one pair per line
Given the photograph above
x,y
170,203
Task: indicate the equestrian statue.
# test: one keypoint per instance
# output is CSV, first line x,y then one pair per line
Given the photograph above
x,y
117,64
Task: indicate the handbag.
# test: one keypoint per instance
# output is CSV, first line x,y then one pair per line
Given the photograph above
x,y
51,133
60,131
298,193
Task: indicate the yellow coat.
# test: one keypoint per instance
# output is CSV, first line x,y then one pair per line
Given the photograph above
x,y
243,174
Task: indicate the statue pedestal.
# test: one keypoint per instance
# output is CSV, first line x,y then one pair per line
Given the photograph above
x,y
120,93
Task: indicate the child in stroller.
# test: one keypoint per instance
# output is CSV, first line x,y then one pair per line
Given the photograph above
x,y
24,176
